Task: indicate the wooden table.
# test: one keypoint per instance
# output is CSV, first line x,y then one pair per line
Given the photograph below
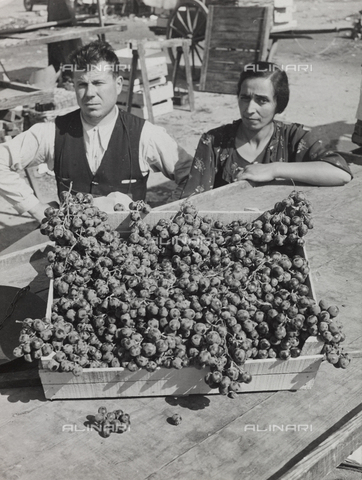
x,y
258,436
54,35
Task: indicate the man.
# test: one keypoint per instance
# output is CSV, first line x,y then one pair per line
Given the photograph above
x,y
96,149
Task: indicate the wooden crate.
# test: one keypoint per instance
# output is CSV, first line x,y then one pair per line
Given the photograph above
x,y
283,11
235,36
158,94
156,65
268,375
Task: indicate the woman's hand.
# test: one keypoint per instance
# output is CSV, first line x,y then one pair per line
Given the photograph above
x,y
258,172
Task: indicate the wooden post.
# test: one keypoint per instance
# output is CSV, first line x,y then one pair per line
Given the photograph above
x,y
186,48
101,20
58,52
132,77
176,66
146,83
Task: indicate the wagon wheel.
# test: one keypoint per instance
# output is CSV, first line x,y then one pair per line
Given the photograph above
x,y
188,20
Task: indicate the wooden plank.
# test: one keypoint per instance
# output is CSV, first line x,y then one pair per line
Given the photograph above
x,y
65,443
23,87
145,81
219,85
186,43
232,69
232,56
162,387
228,40
67,33
236,15
248,27
266,28
100,13
205,60
343,439
249,23
282,429
39,26
186,376
10,98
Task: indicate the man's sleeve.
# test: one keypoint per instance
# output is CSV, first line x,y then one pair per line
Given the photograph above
x,y
161,153
30,148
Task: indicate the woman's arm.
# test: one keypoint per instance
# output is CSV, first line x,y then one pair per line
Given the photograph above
x,y
202,173
314,173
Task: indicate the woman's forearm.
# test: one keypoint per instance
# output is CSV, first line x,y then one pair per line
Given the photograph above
x,y
313,173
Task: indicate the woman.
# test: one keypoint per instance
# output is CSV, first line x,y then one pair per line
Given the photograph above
x,y
258,148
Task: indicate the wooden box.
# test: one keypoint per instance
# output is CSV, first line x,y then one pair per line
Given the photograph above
x,y
158,94
268,375
156,64
283,11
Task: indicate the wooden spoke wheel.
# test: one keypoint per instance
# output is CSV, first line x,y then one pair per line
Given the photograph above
x,y
188,20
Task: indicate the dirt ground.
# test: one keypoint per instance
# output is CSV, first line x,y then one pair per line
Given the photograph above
x,y
324,72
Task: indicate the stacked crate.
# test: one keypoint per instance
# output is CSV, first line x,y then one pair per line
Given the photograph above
x,y
161,90
11,123
283,12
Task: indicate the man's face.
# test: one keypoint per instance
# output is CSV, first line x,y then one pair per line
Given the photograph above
x,y
97,91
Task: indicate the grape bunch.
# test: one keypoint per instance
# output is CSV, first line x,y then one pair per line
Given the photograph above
x,y
176,419
186,291
138,205
112,422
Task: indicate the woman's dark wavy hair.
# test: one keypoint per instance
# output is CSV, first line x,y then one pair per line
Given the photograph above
x,y
277,76
93,53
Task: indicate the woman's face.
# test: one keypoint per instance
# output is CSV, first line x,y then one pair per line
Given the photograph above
x,y
257,103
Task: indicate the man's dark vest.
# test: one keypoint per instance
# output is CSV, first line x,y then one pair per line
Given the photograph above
x,y
119,169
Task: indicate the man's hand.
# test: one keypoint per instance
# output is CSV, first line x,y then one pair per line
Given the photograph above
x,y
106,204
37,212
258,172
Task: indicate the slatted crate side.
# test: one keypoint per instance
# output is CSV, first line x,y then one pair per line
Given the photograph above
x,y
268,375
294,381
121,220
115,374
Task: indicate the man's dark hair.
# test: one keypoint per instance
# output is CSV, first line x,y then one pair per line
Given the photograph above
x,y
277,76
92,54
